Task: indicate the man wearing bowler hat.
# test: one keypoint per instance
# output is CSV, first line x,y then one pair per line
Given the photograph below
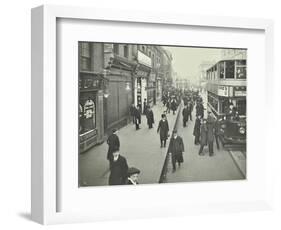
x,y
118,169
176,149
113,143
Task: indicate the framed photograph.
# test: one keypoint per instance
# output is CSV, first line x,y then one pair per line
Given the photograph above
x,y
145,114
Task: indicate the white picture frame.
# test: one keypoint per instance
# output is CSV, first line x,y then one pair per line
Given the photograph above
x,y
45,180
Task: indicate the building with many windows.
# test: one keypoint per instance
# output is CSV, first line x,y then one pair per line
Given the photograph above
x,y
112,76
91,94
120,65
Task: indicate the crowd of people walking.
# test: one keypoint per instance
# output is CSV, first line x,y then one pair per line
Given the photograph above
x,y
205,131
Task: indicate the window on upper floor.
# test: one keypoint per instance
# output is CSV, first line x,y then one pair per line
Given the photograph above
x,y
229,69
241,69
221,70
116,48
126,51
85,56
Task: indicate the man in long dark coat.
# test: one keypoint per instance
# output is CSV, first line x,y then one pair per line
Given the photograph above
x,y
184,115
216,133
118,169
174,105
113,143
138,117
189,110
145,107
176,149
196,130
163,129
211,129
203,136
200,109
150,117
168,105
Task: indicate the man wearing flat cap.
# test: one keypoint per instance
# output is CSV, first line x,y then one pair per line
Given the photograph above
x,y
133,174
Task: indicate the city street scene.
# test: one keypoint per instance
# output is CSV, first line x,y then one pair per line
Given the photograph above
x,y
152,114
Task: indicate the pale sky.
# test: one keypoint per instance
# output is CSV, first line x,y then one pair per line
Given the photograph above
x,y
186,60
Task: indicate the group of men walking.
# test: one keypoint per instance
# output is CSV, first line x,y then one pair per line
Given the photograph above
x,y
205,132
136,113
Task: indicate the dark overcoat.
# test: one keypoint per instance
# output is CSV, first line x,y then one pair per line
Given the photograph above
x,y
211,128
174,105
185,114
176,147
203,134
163,129
113,143
200,110
144,108
118,171
189,107
150,117
138,116
196,130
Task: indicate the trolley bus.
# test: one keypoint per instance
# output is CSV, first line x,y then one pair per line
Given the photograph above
x,y
227,91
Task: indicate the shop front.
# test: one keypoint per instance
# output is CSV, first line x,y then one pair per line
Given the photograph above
x,y
151,89
141,80
91,131
141,88
158,88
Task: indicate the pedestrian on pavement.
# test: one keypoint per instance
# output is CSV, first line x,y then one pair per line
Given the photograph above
x,y
189,110
138,117
163,129
184,115
168,106
216,133
118,169
211,129
133,112
174,105
150,117
113,143
196,130
203,135
144,106
133,174
176,150
200,109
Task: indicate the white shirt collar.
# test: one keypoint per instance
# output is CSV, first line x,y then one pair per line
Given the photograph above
x,y
133,182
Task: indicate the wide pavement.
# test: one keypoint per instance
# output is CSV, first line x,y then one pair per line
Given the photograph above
x,y
141,149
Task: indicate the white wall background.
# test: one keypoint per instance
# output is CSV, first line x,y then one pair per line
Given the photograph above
x,y
15,112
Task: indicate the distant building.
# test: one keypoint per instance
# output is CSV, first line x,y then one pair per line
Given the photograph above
x,y
228,54
182,83
203,72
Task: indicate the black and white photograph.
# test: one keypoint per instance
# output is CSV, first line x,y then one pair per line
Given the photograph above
x,y
151,114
